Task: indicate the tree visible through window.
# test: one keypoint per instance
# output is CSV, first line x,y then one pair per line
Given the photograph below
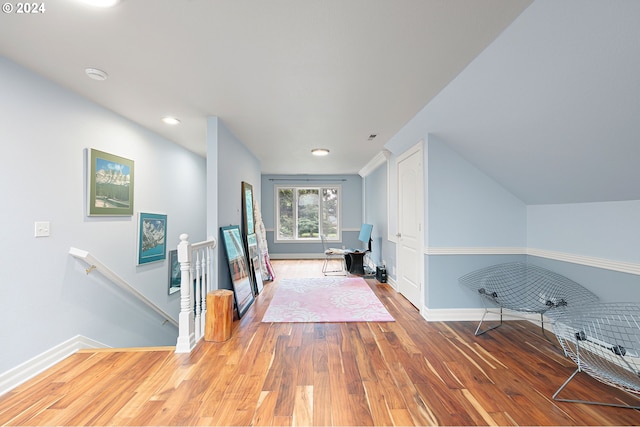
x,y
308,212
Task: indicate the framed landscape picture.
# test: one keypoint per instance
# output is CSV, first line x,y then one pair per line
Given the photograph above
x,y
110,184
152,237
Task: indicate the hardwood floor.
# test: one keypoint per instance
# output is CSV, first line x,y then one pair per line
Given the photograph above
x,y
407,372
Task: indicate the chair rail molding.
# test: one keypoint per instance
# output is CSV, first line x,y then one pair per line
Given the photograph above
x,y
590,261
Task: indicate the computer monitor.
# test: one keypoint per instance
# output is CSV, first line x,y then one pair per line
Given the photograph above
x,y
365,235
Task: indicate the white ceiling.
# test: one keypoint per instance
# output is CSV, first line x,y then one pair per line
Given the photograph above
x,y
285,76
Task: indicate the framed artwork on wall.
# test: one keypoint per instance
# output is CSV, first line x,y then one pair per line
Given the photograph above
x,y
110,184
238,267
152,237
248,222
175,275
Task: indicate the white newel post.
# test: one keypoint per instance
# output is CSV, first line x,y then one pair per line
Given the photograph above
x,y
186,330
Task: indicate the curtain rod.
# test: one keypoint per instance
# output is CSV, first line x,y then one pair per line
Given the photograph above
x,y
306,179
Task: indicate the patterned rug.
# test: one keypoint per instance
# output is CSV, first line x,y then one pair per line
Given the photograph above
x,y
326,299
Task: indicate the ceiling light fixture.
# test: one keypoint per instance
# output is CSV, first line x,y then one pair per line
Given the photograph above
x,y
96,74
171,120
101,3
320,151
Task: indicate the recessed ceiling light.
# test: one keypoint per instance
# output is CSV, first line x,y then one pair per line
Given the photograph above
x,y
171,120
96,74
101,3
320,151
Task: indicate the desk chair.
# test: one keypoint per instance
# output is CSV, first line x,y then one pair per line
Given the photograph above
x,y
331,254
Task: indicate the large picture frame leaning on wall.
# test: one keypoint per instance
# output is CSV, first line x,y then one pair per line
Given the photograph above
x,y
238,267
110,184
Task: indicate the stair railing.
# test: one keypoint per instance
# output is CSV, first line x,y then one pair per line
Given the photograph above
x,y
196,278
95,264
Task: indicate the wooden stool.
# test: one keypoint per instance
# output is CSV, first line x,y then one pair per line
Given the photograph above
x,y
219,317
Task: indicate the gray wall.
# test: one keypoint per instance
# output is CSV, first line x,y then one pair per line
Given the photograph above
x,y
46,297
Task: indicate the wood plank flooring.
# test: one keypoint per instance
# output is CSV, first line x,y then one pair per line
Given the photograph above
x,y
407,372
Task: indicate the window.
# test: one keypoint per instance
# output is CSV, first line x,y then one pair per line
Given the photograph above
x,y
306,213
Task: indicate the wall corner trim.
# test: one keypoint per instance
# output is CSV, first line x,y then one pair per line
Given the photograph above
x,y
378,159
29,369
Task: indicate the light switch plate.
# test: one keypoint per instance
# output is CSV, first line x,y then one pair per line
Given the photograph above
x,y
42,229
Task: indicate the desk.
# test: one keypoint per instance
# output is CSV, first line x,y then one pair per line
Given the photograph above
x,y
354,262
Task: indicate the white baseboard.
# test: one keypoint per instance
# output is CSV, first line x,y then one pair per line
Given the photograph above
x,y
296,256
475,314
29,369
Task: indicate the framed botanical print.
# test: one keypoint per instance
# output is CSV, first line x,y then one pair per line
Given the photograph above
x,y
110,184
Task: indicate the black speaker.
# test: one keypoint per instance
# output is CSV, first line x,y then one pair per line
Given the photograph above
x,y
381,274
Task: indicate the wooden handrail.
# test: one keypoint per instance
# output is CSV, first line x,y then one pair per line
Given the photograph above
x,y
94,264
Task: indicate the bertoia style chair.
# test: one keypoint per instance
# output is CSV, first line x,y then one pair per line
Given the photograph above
x,y
526,289
603,339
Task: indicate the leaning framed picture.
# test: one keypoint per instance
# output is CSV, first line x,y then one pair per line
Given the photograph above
x,y
247,209
152,237
238,267
110,184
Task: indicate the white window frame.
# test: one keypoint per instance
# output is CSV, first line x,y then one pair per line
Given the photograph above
x,y
297,187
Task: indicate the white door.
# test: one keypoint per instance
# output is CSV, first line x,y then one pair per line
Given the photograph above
x,y
410,274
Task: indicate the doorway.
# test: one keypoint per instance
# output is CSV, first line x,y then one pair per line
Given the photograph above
x,y
410,236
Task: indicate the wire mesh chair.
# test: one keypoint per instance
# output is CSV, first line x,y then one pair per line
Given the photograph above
x,y
603,339
331,254
524,288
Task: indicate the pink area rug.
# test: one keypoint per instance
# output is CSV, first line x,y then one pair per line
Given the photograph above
x,y
326,299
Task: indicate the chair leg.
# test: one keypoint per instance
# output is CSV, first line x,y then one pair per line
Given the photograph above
x,y
479,332
325,266
617,405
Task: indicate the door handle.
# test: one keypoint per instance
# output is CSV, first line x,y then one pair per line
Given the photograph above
x,y
398,235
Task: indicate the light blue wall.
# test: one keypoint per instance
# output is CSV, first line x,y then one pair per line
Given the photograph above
x,y
46,298
376,213
235,164
351,217
608,285
466,210
607,231
466,207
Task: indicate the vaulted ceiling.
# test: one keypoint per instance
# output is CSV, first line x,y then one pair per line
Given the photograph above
x,y
544,97
551,109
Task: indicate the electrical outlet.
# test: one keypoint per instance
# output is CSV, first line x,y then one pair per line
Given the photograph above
x,y
42,229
